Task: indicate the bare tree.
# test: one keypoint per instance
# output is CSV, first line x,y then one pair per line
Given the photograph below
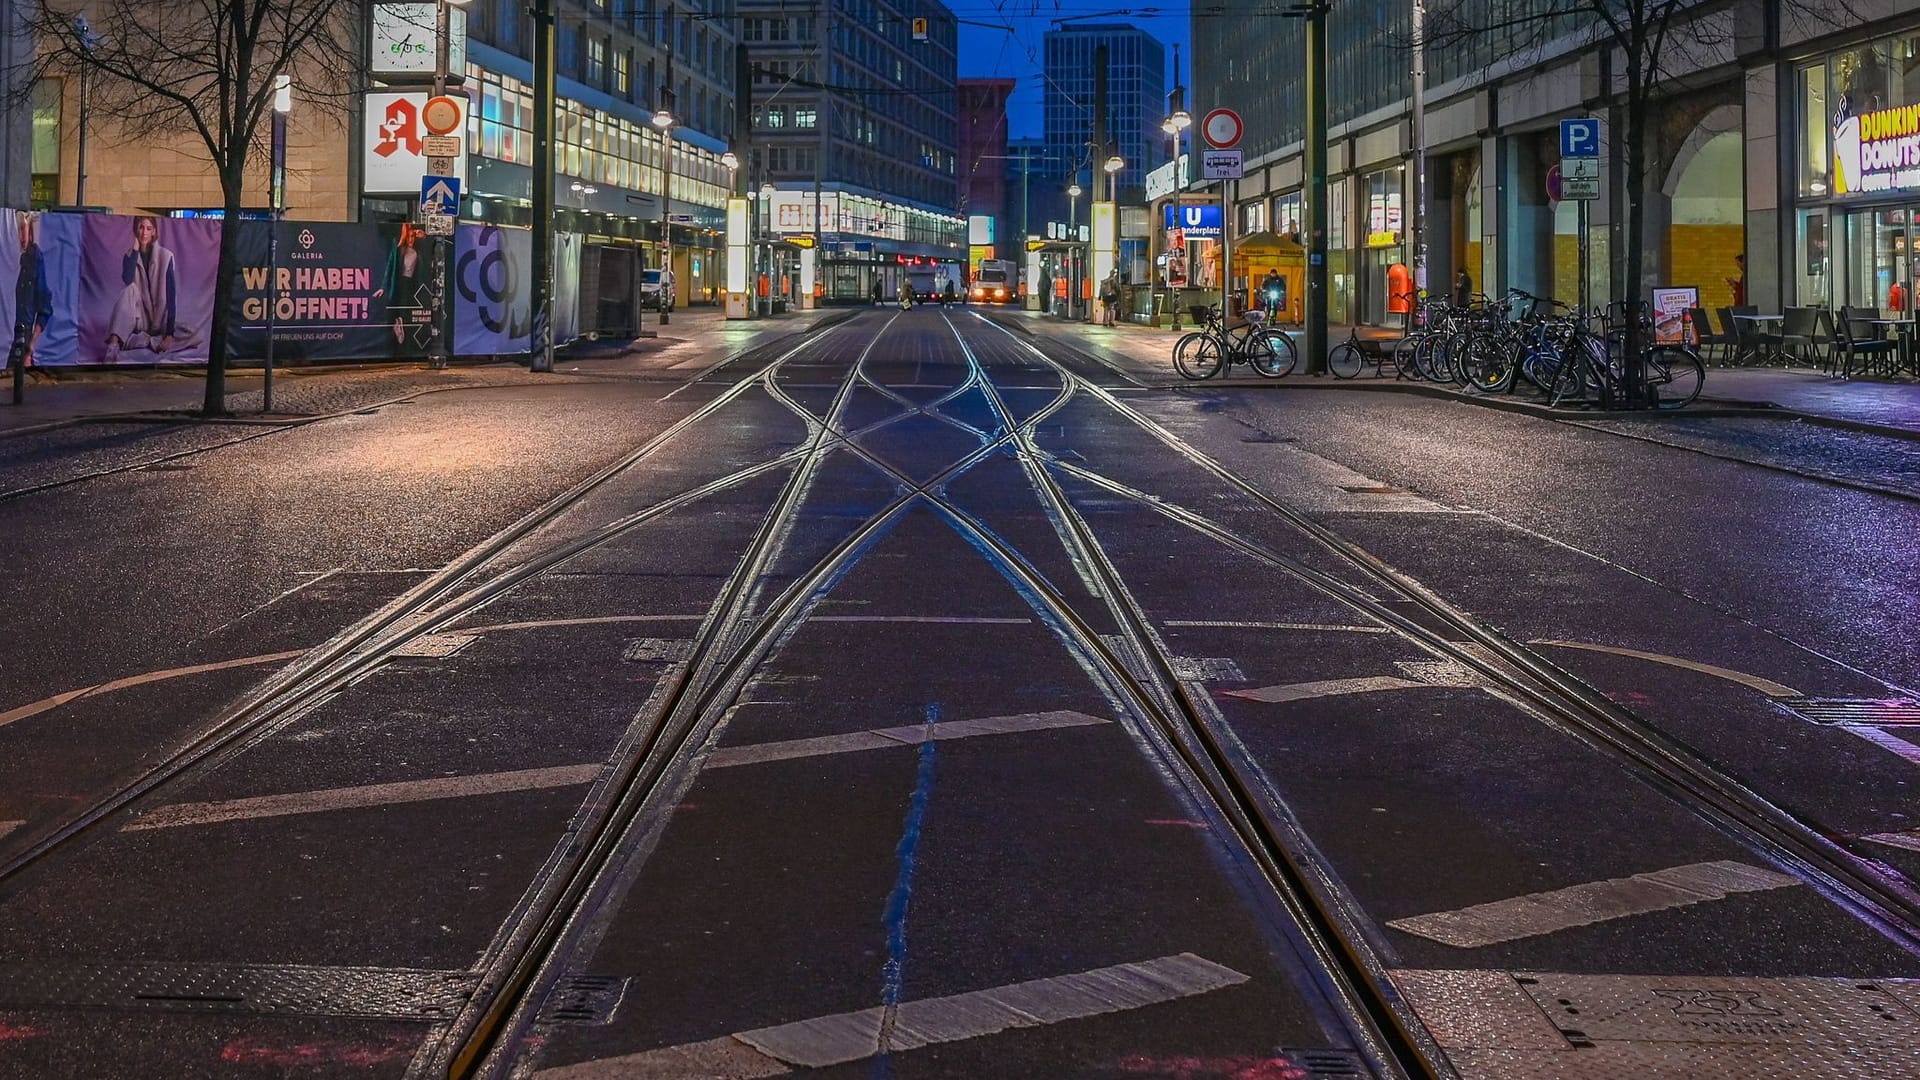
x,y
202,69
1649,49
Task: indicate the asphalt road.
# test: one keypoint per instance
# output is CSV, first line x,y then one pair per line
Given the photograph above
x,y
912,698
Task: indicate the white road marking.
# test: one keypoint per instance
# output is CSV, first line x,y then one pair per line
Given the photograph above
x,y
882,738
57,700
982,619
8,826
1765,686
1325,688
404,791
1886,740
1908,840
855,1036
455,787
1232,624
1597,901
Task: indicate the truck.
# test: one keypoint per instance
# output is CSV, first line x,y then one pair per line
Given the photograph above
x,y
998,282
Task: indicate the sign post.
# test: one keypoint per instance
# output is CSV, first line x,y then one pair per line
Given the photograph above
x,y
1578,178
1222,128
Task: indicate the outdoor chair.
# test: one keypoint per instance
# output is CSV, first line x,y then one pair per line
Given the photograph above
x,y
1796,333
1866,348
1826,341
1730,333
1708,339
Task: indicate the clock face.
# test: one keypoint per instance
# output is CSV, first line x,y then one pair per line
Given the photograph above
x,y
441,115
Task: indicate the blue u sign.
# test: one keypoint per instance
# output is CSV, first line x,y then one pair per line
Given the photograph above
x,y
1198,220
1580,138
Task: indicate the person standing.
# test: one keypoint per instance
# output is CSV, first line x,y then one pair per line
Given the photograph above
x,y
1738,284
1046,292
1110,298
1462,289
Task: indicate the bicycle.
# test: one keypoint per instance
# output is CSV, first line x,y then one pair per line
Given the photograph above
x,y
1215,348
1347,358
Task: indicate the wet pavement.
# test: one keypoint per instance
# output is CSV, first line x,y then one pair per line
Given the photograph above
x,y
901,695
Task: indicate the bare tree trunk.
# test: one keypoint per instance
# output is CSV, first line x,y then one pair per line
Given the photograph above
x,y
232,182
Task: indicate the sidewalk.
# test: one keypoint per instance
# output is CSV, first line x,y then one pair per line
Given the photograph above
x,y
1144,354
692,340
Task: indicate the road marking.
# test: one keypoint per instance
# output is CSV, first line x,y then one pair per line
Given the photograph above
x,y
1908,840
455,787
1597,901
405,791
8,826
855,1036
1325,688
1233,624
60,699
883,738
1765,686
1886,740
982,619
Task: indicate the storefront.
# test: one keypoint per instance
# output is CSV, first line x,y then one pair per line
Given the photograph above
x,y
1857,214
871,240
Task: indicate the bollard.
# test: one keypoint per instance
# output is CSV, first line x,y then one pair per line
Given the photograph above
x,y
17,360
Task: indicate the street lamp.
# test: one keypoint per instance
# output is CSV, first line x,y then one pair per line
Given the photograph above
x,y
1115,164
89,41
663,120
1074,191
277,197
731,160
1175,125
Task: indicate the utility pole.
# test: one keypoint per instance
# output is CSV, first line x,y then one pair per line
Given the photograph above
x,y
277,197
543,210
1103,180
1316,193
823,27
442,60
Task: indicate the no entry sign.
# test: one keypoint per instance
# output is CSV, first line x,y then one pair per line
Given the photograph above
x,y
1222,129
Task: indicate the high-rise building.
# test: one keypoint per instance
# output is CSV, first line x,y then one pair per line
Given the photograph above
x,y
856,100
17,161
1136,98
983,154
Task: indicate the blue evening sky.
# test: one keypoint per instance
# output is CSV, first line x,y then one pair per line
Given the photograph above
x,y
991,53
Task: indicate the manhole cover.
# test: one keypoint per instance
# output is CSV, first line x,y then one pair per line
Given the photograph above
x,y
587,1000
1880,712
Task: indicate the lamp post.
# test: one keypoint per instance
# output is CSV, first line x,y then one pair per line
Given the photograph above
x,y
1175,125
1073,248
277,197
663,120
89,41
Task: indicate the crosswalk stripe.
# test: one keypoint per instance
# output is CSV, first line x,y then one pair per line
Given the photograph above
x,y
1592,902
856,1036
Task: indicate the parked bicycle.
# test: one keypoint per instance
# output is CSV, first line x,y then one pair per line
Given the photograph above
x,y
1215,348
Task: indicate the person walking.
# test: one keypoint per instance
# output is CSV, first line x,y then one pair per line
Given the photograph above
x,y
878,292
1110,298
951,294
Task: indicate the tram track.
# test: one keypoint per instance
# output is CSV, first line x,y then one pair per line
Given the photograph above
x,y
1871,890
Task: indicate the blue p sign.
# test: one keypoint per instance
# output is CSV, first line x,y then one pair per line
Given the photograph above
x,y
1580,138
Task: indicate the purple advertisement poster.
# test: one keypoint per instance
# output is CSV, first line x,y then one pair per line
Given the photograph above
x,y
492,280
145,290
345,292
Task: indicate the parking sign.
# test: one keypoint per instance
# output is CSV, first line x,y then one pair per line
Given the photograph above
x,y
1580,138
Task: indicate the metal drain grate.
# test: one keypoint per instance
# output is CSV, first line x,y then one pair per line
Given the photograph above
x,y
653,650
369,993
436,646
1882,712
1326,1064
585,1000
1207,669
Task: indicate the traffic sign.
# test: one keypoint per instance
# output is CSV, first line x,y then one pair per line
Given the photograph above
x,y
1221,165
1582,168
442,166
1553,183
442,115
1579,187
439,195
919,29
1222,129
1580,137
440,146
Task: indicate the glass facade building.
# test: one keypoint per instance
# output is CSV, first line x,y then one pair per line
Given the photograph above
x,y
1136,98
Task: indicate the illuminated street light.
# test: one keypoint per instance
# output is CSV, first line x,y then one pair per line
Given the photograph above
x,y
1116,163
731,160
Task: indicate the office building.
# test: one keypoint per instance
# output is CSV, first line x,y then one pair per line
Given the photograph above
x,y
983,158
1136,99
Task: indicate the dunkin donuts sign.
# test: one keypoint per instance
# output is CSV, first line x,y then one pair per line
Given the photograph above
x,y
1877,151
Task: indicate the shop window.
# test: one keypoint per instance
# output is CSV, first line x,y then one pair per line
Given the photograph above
x,y
1815,129
1811,259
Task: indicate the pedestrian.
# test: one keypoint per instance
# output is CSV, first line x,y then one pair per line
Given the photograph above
x,y
1046,292
878,292
1738,285
950,295
1110,298
1462,289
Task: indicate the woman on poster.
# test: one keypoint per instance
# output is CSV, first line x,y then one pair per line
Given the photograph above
x,y
146,315
402,283
32,299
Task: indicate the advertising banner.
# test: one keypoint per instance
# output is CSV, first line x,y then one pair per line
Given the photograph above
x,y
145,290
346,292
492,283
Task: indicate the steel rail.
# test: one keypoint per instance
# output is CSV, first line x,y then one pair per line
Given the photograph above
x,y
331,663
1383,1027
1872,891
531,958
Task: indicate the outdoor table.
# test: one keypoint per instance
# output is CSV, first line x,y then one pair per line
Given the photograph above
x,y
1761,318
1903,333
